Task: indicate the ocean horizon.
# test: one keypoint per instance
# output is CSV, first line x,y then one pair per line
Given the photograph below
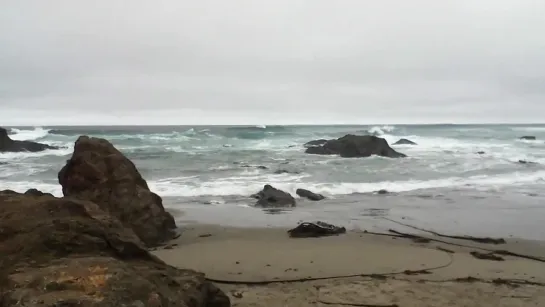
x,y
470,178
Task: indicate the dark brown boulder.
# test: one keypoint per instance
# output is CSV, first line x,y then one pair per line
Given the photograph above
x,y
271,197
9,145
352,146
67,252
100,173
308,194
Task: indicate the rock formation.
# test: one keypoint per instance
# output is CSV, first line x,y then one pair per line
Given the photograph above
x,y
68,252
100,173
404,142
9,145
271,197
351,146
308,194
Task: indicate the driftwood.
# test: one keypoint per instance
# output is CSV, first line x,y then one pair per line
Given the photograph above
x,y
484,240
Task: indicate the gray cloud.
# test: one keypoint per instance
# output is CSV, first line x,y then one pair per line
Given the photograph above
x,y
283,61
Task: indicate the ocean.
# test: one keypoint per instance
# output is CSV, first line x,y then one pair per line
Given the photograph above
x,y
205,174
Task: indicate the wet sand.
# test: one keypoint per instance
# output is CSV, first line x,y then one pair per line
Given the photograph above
x,y
264,267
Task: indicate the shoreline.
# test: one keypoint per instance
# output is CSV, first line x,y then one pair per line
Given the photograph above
x,y
265,267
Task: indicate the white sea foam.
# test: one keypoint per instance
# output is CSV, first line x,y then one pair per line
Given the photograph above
x,y
248,185
28,135
530,129
381,130
22,186
15,156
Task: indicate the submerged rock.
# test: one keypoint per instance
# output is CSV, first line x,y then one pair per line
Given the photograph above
x,y
316,229
352,146
271,197
100,173
404,142
308,194
68,252
9,145
286,171
528,137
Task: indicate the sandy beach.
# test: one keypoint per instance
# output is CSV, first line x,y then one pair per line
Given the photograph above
x,y
265,267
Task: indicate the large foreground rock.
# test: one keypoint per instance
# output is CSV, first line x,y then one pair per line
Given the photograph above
x,y
100,173
9,145
352,146
65,252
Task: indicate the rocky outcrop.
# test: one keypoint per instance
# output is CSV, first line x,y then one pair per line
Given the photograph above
x,y
98,172
319,142
308,194
271,197
528,137
68,252
404,142
352,146
9,145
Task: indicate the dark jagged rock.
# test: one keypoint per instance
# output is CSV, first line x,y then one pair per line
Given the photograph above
x,y
352,146
9,145
308,194
404,142
528,137
36,192
319,142
316,229
68,252
271,197
100,173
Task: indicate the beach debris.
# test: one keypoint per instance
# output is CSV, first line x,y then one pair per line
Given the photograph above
x,y
404,142
444,250
271,197
205,235
315,229
486,256
353,146
308,194
484,240
416,272
9,145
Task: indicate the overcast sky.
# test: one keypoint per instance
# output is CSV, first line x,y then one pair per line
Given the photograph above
x,y
262,62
